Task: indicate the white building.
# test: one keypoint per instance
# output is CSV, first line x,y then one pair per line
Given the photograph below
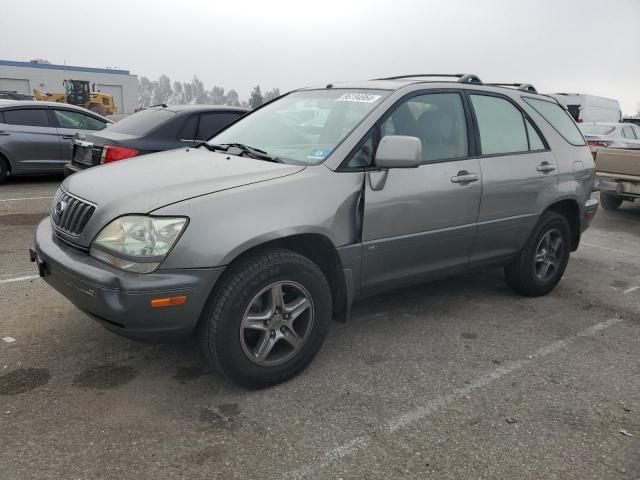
x,y
25,77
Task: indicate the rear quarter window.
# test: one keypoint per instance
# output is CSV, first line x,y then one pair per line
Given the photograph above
x,y
597,129
558,118
142,122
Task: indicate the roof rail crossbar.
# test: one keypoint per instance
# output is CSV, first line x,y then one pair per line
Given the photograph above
x,y
525,87
462,77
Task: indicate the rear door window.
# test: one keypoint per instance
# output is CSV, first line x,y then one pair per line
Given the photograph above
x,y
212,123
558,118
501,125
637,131
34,117
77,120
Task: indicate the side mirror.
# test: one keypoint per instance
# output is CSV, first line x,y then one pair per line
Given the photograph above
x,y
399,151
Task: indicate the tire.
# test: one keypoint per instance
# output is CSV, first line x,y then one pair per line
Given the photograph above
x,y
4,169
230,336
610,201
526,273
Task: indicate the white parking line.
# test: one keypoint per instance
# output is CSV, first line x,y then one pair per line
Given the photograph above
x,y
406,419
19,279
609,249
24,198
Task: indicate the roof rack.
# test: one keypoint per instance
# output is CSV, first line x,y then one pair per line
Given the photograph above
x,y
525,87
462,77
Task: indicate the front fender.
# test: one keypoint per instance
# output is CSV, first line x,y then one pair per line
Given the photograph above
x,y
225,224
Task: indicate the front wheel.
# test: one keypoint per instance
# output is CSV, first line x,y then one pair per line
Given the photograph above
x,y
539,266
267,319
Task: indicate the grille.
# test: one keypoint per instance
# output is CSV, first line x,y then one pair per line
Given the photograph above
x,y
70,214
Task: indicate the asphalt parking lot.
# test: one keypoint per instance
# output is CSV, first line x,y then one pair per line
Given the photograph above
x,y
460,378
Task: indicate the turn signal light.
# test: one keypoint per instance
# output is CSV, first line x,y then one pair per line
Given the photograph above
x,y
111,153
168,301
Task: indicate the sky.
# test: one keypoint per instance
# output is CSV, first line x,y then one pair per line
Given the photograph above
x,y
587,46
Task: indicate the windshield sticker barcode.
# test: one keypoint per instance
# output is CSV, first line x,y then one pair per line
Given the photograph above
x,y
358,97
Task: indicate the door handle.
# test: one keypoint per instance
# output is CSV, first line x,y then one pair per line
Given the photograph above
x,y
67,137
545,167
465,177
2,132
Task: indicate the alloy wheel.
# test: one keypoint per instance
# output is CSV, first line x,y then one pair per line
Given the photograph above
x,y
549,255
276,324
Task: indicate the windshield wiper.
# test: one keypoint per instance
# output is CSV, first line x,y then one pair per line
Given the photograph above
x,y
251,152
209,146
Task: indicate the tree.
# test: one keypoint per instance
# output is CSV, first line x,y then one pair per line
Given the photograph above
x,y
232,98
145,91
271,94
217,96
162,92
256,97
188,92
199,93
178,93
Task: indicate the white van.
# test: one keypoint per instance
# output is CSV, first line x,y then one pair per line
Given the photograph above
x,y
589,108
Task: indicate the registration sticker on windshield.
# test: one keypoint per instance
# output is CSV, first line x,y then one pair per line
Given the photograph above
x,y
318,154
358,97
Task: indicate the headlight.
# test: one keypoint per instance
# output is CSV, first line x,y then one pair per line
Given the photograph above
x,y
137,243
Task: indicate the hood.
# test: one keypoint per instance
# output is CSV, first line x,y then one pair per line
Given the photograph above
x,y
146,183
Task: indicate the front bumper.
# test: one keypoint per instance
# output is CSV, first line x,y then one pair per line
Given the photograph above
x,y
119,300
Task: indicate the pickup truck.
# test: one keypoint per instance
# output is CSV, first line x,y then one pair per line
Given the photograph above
x,y
617,176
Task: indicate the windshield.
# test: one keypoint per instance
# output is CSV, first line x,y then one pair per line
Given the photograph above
x,y
597,129
142,122
303,127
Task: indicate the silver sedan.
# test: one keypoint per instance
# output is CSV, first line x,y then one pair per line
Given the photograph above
x,y
612,135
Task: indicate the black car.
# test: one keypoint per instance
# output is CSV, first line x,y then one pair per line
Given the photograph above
x,y
151,130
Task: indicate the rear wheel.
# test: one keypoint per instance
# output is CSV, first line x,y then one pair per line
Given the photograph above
x,y
610,201
542,261
267,319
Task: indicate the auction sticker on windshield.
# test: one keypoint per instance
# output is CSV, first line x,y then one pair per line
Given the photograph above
x,y
358,97
318,154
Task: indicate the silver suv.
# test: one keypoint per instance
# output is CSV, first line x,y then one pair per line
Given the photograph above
x,y
257,238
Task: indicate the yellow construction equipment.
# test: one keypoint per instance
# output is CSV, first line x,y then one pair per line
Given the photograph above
x,y
77,92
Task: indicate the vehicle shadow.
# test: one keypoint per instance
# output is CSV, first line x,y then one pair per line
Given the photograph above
x,y
33,179
436,300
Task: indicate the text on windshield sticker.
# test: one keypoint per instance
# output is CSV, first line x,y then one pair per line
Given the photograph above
x,y
358,97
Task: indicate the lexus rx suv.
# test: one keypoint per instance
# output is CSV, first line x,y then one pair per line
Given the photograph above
x,y
255,240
